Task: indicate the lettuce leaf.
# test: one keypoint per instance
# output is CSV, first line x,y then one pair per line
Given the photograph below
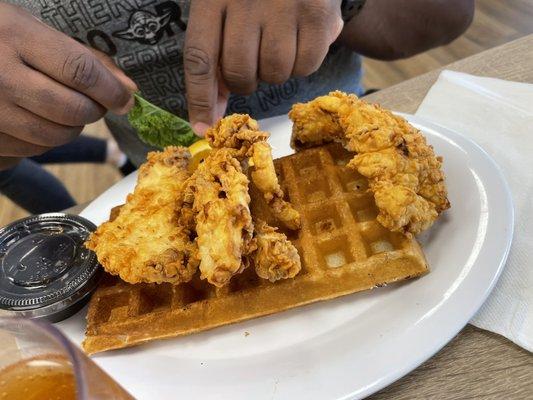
x,y
158,127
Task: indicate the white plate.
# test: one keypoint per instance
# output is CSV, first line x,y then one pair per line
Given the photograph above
x,y
348,347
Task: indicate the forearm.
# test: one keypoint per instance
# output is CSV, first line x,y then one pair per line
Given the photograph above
x,y
390,30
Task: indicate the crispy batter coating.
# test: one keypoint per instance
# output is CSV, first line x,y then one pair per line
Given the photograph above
x,y
404,174
400,206
175,223
317,122
236,131
241,133
265,179
144,243
276,257
263,172
222,216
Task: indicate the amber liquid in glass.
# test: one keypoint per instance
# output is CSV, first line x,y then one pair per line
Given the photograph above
x,y
44,377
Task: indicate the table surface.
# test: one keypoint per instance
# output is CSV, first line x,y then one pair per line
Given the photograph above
x,y
476,364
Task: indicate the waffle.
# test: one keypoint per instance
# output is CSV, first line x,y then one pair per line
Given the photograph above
x,y
342,246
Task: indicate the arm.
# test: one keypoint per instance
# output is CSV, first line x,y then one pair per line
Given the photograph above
x,y
389,30
233,44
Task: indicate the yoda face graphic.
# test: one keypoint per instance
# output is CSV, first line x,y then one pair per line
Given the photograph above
x,y
144,27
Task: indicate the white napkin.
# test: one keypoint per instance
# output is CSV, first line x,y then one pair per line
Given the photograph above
x,y
498,115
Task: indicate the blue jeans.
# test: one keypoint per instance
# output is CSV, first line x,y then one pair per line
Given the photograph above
x,y
36,190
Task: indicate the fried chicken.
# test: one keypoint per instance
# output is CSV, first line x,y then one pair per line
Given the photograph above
x,y
144,243
176,223
317,122
238,132
276,257
222,216
241,133
404,174
265,179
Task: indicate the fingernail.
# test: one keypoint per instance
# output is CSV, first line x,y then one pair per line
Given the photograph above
x,y
133,86
220,113
200,128
126,109
128,82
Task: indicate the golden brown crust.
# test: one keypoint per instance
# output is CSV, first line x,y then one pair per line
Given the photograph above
x,y
265,179
143,242
173,219
241,133
316,122
276,257
222,216
404,173
236,131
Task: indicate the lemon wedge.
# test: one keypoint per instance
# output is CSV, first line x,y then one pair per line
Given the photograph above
x,y
199,151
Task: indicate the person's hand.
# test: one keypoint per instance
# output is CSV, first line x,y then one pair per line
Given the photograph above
x,y
238,42
50,86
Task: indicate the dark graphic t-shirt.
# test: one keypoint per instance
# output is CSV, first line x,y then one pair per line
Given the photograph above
x,y
146,37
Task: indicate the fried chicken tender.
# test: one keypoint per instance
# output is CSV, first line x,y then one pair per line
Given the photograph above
x,y
276,257
241,133
222,216
404,174
265,179
144,243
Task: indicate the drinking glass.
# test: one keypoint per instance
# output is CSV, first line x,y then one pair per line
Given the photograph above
x,y
30,346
